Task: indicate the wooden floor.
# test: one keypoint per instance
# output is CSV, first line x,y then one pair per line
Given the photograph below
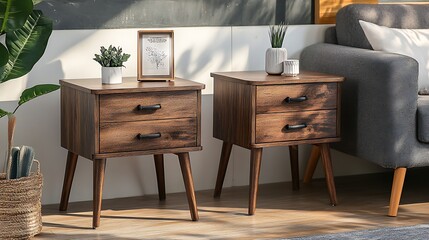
x,y
280,213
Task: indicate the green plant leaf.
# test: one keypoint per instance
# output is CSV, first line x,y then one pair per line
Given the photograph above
x,y
277,34
14,13
111,57
26,45
4,57
36,91
37,1
3,113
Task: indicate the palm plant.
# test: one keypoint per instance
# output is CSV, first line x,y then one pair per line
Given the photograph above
x,y
25,32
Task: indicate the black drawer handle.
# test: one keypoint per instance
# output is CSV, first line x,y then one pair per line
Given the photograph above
x,y
148,136
150,107
293,127
298,99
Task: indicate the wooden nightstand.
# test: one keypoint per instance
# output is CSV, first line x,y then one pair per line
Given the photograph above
x,y
255,110
133,118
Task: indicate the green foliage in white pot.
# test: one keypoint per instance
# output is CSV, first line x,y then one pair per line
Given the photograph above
x,y
26,32
277,35
111,57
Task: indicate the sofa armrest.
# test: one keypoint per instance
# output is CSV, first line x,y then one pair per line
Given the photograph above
x,y
379,100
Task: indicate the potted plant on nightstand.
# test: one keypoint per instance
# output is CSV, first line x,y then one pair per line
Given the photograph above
x,y
111,60
24,35
276,55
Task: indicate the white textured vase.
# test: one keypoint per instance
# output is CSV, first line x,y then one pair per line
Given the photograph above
x,y
111,75
274,58
291,67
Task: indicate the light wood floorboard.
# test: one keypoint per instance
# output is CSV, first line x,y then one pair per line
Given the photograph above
x,y
281,212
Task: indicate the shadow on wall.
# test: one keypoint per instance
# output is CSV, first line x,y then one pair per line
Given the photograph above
x,y
209,52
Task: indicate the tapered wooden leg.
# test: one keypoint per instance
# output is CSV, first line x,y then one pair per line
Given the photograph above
x,y
99,167
68,180
223,164
293,153
326,159
160,177
311,164
395,197
255,169
185,165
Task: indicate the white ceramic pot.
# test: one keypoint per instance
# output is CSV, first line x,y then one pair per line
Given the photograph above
x,y
274,58
111,75
291,67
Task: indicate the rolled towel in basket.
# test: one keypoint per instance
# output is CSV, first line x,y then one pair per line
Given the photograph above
x,y
21,162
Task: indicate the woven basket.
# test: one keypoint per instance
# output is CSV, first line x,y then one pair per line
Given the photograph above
x,y
20,206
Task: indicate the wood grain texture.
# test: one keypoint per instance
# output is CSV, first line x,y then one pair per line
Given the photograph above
x,y
311,164
130,85
223,165
395,195
326,10
282,213
255,170
174,128
122,136
99,168
79,121
148,152
329,175
339,110
160,176
185,165
271,99
233,109
296,142
262,78
198,106
124,107
294,166
271,127
249,111
68,179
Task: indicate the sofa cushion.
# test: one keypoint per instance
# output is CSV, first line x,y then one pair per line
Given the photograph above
x,y
349,32
423,119
409,42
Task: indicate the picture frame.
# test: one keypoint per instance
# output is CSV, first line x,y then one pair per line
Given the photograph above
x,y
155,55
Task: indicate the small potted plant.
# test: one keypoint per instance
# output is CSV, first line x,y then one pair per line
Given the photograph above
x,y
276,55
112,60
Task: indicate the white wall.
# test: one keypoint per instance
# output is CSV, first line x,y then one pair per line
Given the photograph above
x,y
198,51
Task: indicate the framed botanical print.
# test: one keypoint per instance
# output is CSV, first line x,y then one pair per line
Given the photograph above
x,y
155,56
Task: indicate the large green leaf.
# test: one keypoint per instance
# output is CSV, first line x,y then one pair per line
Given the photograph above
x,y
36,91
26,45
14,13
4,57
3,113
37,1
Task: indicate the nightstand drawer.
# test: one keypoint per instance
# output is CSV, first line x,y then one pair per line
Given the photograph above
x,y
147,106
280,127
296,97
146,135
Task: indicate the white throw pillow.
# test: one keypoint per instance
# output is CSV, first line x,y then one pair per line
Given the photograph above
x,y
410,42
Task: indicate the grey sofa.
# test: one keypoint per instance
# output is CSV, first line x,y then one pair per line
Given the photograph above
x,y
384,120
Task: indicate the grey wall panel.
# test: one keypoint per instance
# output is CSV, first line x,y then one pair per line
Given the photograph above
x,y
95,14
